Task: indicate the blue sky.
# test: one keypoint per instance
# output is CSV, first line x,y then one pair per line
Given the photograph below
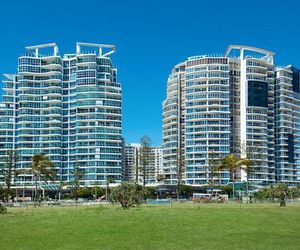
x,y
151,37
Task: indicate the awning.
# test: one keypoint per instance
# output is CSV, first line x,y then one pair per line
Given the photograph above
x,y
50,187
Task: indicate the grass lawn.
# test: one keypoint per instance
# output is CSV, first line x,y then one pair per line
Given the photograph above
x,y
206,226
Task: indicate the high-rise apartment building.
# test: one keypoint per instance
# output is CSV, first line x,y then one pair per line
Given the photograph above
x,y
173,123
252,109
158,162
66,107
131,162
133,168
287,125
217,105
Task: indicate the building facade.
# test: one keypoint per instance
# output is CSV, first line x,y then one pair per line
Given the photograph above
x,y
133,168
131,162
67,107
173,123
287,125
231,103
252,109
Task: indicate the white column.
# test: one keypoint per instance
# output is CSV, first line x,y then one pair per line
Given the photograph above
x,y
77,48
55,49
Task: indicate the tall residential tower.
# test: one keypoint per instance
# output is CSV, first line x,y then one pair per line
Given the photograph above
x,y
66,107
217,105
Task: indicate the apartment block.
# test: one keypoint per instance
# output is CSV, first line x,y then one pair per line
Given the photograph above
x,y
239,103
67,107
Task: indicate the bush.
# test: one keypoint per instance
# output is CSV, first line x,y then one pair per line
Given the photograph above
x,y
2,193
148,192
5,195
128,195
279,192
85,192
264,193
185,190
3,210
227,189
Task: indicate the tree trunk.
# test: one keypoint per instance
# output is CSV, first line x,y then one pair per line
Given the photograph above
x,y
212,184
8,187
7,192
233,186
106,191
76,197
282,202
144,176
247,187
35,190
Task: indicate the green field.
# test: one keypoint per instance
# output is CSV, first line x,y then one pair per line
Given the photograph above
x,y
213,226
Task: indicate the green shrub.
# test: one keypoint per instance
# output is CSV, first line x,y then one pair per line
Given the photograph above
x,y
3,210
128,195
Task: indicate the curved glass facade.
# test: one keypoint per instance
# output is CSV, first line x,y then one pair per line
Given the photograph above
x,y
217,105
207,117
287,140
196,119
173,123
68,108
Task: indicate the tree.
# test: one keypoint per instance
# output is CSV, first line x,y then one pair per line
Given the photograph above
x,y
41,170
2,193
226,189
98,191
185,190
89,193
3,210
128,195
145,157
108,181
148,192
264,193
9,171
254,158
294,192
180,167
280,192
213,168
75,182
232,164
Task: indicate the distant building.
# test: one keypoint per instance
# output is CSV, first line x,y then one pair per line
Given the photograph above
x,y
130,167
133,169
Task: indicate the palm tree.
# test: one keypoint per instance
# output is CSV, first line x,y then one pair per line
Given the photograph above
x,y
233,164
41,168
280,192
